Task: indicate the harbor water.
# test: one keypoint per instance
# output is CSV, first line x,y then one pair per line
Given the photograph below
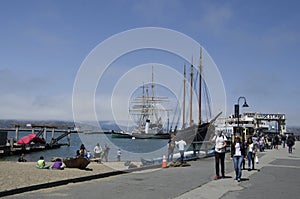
x,y
131,149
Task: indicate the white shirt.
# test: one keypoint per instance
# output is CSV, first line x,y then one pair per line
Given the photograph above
x,y
220,141
181,144
97,149
251,147
238,149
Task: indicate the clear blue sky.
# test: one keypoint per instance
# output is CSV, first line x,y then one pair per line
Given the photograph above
x,y
255,44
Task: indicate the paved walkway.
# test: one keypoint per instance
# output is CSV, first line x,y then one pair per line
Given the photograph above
x,y
279,177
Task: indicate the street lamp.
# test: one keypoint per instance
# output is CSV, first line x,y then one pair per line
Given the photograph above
x,y
237,111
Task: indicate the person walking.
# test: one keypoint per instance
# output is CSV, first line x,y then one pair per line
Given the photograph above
x,y
283,140
290,143
181,146
251,151
106,151
220,145
276,141
238,153
119,155
171,147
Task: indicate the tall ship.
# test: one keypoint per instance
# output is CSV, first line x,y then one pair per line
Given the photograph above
x,y
191,131
147,109
149,113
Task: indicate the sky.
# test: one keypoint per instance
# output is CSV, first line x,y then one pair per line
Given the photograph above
x,y
254,44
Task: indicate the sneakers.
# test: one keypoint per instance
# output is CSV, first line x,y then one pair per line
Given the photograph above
x,y
239,179
217,177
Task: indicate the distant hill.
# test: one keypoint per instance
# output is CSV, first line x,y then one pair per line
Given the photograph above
x,y
105,125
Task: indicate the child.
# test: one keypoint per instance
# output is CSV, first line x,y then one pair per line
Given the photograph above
x,y
41,164
57,164
119,155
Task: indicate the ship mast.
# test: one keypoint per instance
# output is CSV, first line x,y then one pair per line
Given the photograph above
x,y
152,90
200,86
191,94
183,108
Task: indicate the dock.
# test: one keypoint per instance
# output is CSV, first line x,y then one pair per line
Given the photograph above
x,y
10,146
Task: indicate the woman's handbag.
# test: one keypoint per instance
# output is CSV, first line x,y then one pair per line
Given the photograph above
x,y
256,159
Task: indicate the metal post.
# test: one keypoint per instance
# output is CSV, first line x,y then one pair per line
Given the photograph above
x,y
237,107
17,132
45,133
52,136
69,137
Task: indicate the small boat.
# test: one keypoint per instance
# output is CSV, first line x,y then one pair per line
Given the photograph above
x,y
31,138
78,162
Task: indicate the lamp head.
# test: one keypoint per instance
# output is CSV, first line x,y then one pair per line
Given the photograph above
x,y
245,104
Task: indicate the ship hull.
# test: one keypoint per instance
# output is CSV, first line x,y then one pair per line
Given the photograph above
x,y
120,135
151,136
195,133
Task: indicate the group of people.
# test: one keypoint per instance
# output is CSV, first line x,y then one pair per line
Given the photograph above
x,y
270,141
241,151
99,153
41,164
82,152
172,144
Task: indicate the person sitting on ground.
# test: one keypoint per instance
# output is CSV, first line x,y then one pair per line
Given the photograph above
x,y
21,158
41,164
88,155
57,164
82,151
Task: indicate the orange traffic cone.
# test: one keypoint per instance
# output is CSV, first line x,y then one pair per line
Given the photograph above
x,y
164,162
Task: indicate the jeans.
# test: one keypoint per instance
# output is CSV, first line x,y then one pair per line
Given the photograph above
x,y
170,154
181,156
219,157
283,144
290,149
250,157
237,163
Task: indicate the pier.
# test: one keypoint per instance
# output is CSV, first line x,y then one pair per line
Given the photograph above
x,y
10,145
250,123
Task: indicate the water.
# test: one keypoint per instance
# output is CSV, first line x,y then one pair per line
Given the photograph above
x,y
132,150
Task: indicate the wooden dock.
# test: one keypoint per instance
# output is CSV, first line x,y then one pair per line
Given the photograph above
x,y
9,146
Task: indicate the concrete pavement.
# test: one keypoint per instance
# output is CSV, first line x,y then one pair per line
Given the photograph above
x,y
279,177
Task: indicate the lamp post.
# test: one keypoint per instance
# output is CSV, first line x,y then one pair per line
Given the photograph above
x,y
237,111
